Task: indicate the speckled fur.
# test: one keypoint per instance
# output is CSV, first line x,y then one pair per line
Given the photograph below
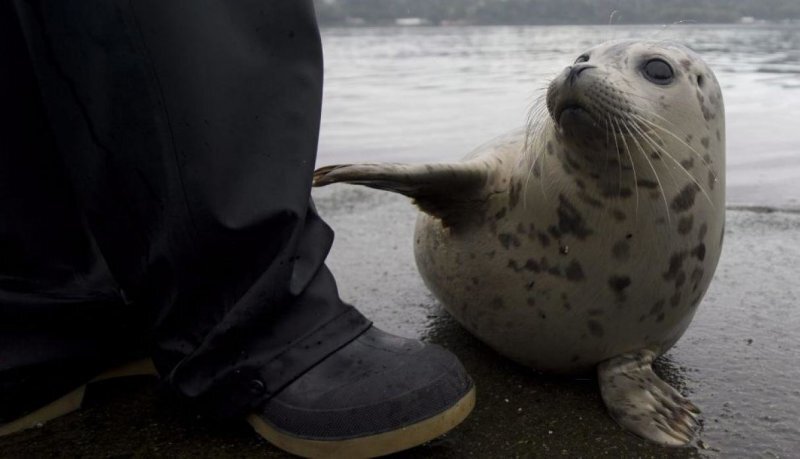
x,y
587,242
577,235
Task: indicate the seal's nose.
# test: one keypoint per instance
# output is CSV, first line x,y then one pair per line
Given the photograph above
x,y
576,70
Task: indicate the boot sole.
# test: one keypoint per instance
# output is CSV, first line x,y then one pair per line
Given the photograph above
x,y
73,400
372,445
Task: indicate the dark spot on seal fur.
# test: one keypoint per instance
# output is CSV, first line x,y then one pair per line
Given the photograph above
x,y
574,271
685,224
618,215
570,221
700,252
697,276
507,240
512,264
685,199
544,239
531,265
649,184
500,214
572,163
618,284
705,141
712,180
590,200
595,328
658,306
675,265
513,195
544,263
621,250
687,163
680,279
537,169
676,299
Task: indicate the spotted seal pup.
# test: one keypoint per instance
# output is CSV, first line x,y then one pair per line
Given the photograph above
x,y
586,240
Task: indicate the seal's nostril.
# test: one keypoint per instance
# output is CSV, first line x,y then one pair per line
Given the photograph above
x,y
576,70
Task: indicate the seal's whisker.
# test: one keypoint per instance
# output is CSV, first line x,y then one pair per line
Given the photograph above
x,y
650,163
536,124
691,149
609,133
633,166
688,174
672,134
619,161
648,138
627,93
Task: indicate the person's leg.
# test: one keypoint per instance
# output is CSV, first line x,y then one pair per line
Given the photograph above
x,y
190,130
61,317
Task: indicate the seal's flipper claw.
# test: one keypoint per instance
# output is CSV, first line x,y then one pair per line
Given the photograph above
x,y
643,403
438,189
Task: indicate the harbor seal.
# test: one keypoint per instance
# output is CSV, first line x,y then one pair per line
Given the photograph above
x,y
586,240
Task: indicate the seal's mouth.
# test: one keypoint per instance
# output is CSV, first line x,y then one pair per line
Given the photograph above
x,y
572,112
571,115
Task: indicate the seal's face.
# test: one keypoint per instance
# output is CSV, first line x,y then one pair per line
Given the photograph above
x,y
623,87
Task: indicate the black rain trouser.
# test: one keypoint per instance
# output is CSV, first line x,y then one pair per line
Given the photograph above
x,y
155,171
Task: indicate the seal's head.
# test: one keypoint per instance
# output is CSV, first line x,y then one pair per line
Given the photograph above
x,y
625,87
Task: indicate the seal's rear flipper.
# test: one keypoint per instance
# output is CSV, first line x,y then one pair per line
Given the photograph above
x,y
643,403
441,190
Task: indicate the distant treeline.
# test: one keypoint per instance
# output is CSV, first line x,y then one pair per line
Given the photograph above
x,y
369,12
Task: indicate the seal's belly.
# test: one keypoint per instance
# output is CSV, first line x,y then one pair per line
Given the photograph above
x,y
564,304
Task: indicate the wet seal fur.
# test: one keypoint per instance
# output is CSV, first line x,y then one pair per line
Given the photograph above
x,y
587,239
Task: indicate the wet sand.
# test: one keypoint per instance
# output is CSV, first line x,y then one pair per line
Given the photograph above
x,y
738,361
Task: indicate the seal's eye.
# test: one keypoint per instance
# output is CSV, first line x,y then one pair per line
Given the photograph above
x,y
582,58
658,71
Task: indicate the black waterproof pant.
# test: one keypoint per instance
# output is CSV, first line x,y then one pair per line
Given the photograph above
x,y
155,170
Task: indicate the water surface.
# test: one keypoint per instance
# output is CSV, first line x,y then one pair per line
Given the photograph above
x,y
433,94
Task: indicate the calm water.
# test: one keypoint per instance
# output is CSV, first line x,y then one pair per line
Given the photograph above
x,y
433,94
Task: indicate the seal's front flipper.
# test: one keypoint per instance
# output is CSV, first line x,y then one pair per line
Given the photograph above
x,y
441,190
643,403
